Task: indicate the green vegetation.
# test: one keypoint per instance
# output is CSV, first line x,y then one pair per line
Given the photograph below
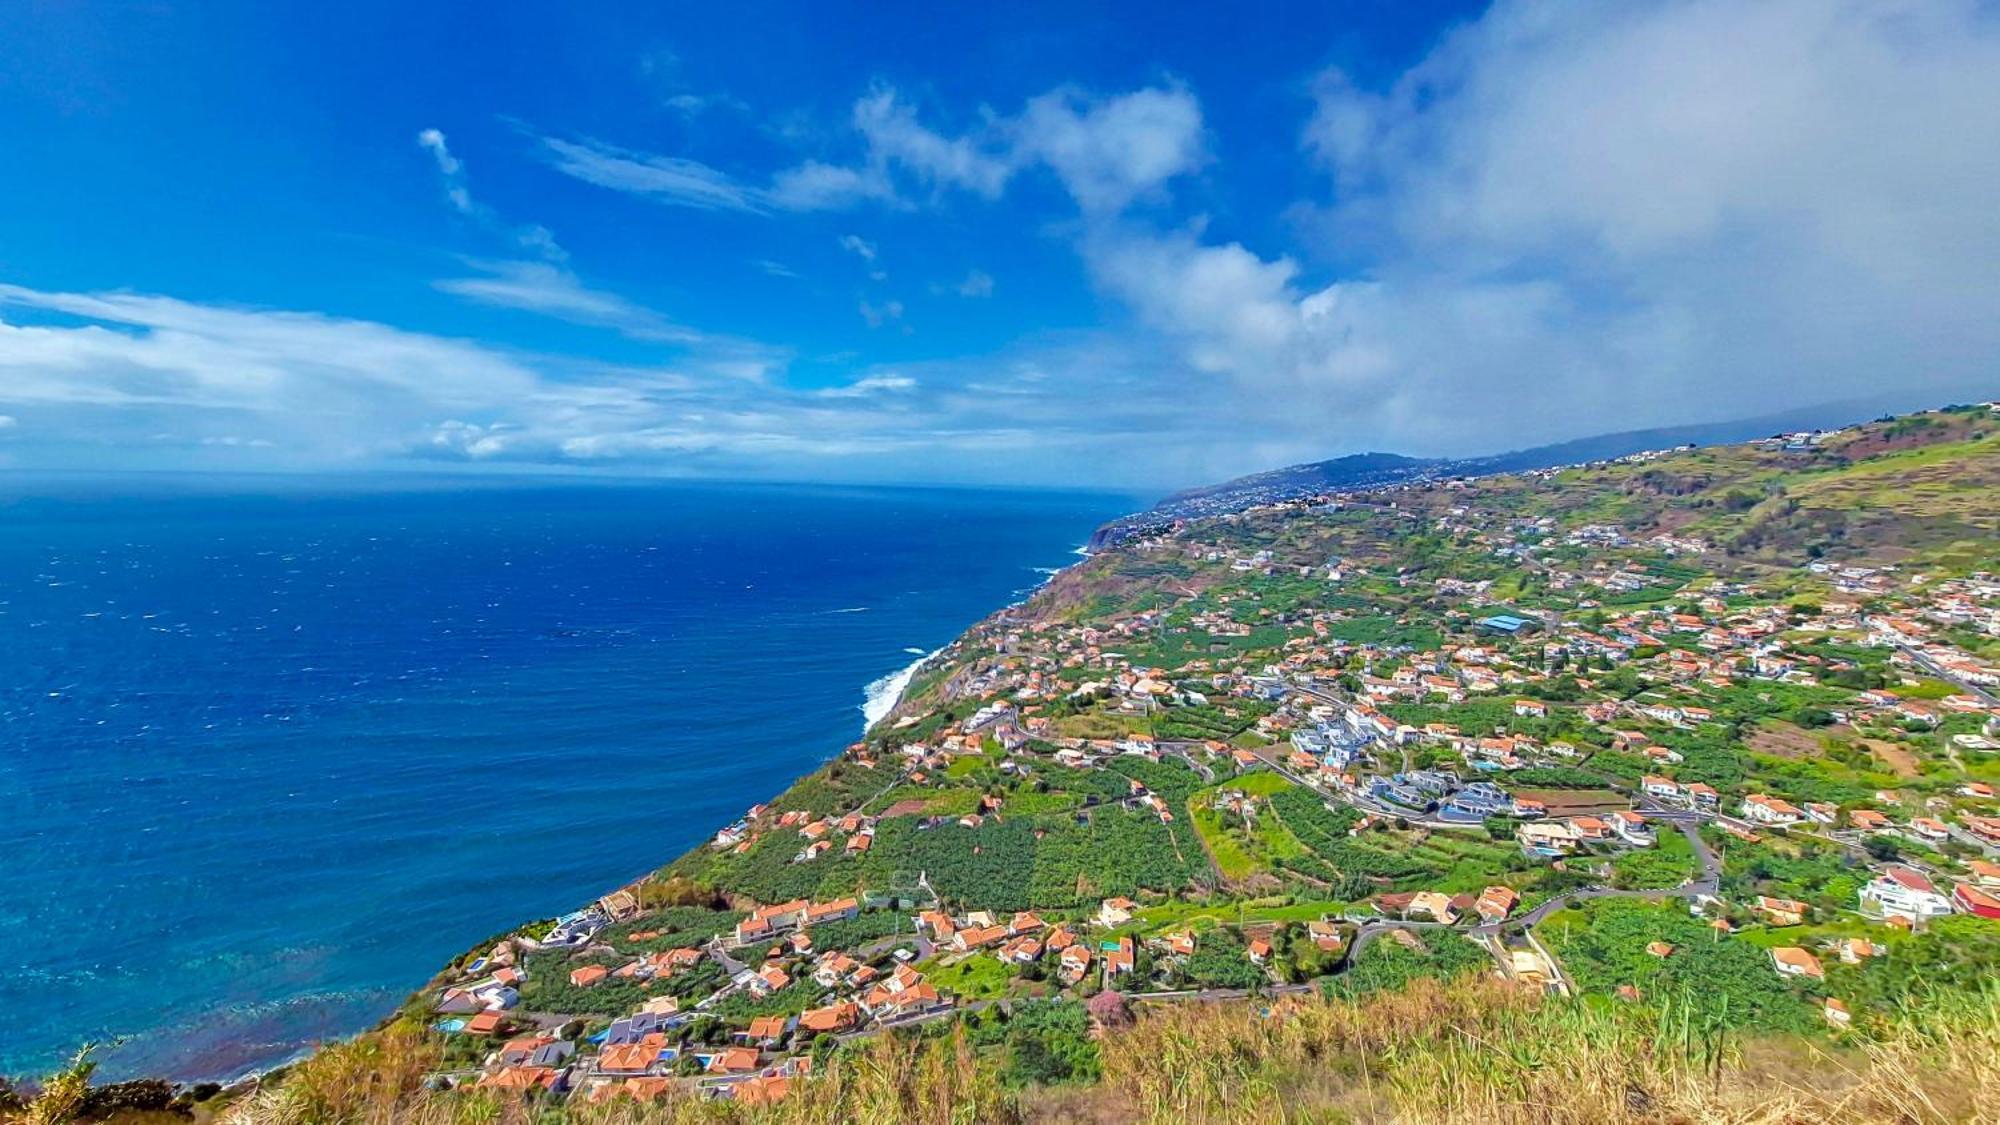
x,y
1669,863
1389,964
978,977
1220,960
1723,981
1042,1043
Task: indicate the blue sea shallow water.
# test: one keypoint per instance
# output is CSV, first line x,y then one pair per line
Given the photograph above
x,y
268,759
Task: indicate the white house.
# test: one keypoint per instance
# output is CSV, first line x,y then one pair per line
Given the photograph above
x,y
1663,788
1632,829
1760,809
1903,892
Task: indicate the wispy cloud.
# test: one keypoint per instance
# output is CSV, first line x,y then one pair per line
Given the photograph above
x,y
533,238
682,183
539,287
449,167
663,68
977,284
546,286
878,315
870,385
679,182
1107,151
866,251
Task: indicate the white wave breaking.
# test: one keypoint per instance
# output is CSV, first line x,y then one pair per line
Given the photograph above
x,y
882,695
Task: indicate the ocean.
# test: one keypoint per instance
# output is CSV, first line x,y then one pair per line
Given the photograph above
x,y
269,756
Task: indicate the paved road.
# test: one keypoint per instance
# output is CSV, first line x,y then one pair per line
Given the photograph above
x,y
1923,658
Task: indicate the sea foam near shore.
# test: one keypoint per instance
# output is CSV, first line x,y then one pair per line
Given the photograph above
x,y
882,695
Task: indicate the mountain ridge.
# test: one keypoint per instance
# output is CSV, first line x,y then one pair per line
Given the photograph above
x,y
1374,469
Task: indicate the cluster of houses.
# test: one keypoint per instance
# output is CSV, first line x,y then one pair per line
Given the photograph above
x,y
646,1052
1324,712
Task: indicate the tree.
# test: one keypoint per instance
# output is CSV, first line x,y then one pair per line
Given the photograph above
x,y
1110,1010
1883,848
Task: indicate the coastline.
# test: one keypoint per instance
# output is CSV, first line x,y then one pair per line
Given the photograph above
x,y
821,665
881,696
880,699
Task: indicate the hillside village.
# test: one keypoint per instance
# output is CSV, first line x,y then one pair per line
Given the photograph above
x,y
1711,727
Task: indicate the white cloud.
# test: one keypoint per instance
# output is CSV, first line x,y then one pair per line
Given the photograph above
x,y
449,167
662,69
1574,218
864,250
894,135
878,315
1235,312
471,440
692,105
135,381
870,385
138,365
977,283
683,183
534,238
679,182
1110,151
552,291
1106,151
814,186
547,287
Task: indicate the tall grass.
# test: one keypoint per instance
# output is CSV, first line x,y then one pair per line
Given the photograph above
x,y
1450,1053
1478,1052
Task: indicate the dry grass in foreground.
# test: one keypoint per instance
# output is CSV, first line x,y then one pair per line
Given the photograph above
x,y
1467,1052
1475,1052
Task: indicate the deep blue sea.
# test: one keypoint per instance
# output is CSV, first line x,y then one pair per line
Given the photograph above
x,y
268,757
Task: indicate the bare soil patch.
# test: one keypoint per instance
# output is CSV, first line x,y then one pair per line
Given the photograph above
x,y
1900,761
1575,802
1784,740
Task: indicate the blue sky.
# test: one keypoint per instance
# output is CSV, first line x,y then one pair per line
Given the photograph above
x,y
1095,244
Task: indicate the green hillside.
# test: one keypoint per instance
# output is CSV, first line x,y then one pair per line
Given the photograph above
x,y
1641,790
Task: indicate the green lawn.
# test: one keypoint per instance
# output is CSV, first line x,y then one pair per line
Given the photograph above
x,y
978,977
